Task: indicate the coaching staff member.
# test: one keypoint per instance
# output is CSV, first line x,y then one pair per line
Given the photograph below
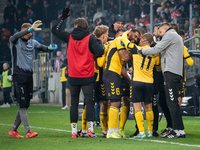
x,y
80,53
171,49
22,47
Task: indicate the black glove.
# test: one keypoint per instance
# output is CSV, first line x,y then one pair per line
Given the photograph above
x,y
65,13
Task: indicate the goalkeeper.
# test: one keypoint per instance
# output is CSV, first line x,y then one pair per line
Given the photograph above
x,y
22,48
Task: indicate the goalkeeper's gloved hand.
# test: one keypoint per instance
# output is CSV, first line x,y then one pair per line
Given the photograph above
x,y
65,13
52,47
35,26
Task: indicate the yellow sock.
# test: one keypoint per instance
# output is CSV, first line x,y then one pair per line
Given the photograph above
x,y
124,116
149,118
104,121
84,120
113,117
139,119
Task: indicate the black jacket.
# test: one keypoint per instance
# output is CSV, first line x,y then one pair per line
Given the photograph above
x,y
111,33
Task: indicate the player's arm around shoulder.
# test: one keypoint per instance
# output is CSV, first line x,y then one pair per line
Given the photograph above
x,y
96,46
157,62
126,55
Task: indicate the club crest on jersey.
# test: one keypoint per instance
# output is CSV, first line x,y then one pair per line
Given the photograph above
x,y
122,44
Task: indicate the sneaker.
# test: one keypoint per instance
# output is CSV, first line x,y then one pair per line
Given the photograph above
x,y
134,134
155,133
98,125
3,105
65,107
83,134
171,135
104,135
149,135
114,135
165,132
182,136
15,134
91,134
140,136
31,134
122,133
74,135
7,105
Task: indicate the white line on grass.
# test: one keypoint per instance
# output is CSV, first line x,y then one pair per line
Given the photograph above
x,y
156,141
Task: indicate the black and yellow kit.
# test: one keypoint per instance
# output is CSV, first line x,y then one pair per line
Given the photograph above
x,y
111,76
190,62
141,89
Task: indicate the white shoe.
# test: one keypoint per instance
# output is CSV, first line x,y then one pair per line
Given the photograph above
x,y
7,105
65,107
3,105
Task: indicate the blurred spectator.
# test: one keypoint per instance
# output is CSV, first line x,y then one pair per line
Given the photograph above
x,y
46,14
173,14
21,4
134,11
145,9
31,15
5,34
37,37
46,39
20,15
59,61
10,16
144,20
98,14
186,26
180,18
36,6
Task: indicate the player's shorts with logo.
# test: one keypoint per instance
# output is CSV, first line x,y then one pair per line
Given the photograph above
x,y
141,92
99,90
112,84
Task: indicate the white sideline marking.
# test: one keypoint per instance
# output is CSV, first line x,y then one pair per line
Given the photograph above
x,y
38,112
156,141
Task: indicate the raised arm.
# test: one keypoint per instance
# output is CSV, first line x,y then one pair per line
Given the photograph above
x,y
62,35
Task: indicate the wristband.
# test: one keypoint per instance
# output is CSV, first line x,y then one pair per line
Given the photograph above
x,y
30,29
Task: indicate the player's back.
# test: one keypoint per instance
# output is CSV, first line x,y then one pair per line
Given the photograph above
x,y
143,67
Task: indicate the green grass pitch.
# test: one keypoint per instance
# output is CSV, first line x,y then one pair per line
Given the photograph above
x,y
54,129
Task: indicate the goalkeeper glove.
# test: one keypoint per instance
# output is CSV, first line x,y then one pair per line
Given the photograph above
x,y
35,26
53,47
65,13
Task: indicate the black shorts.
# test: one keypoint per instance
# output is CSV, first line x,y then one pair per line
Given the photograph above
x,y
181,91
125,87
141,92
99,90
23,86
112,82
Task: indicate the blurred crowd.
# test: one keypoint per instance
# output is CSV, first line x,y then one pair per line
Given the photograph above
x,y
136,14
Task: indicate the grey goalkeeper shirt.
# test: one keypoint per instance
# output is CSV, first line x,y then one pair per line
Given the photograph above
x,y
22,56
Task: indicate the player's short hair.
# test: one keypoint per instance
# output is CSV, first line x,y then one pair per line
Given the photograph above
x,y
157,25
6,64
148,37
25,25
82,23
164,24
135,30
181,32
100,30
141,30
174,26
121,29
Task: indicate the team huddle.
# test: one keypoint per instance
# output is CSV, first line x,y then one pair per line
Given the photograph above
x,y
122,67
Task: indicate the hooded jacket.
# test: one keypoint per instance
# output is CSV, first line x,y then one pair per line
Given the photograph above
x,y
95,46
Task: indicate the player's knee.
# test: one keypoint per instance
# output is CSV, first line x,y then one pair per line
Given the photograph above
x,y
116,103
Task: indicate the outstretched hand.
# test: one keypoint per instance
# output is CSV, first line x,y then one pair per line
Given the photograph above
x,y
65,13
36,24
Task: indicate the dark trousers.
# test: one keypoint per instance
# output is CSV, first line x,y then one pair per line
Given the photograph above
x,y
172,82
6,96
97,110
64,93
88,98
155,112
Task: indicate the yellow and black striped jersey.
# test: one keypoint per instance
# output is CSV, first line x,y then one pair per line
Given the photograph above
x,y
114,61
143,66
